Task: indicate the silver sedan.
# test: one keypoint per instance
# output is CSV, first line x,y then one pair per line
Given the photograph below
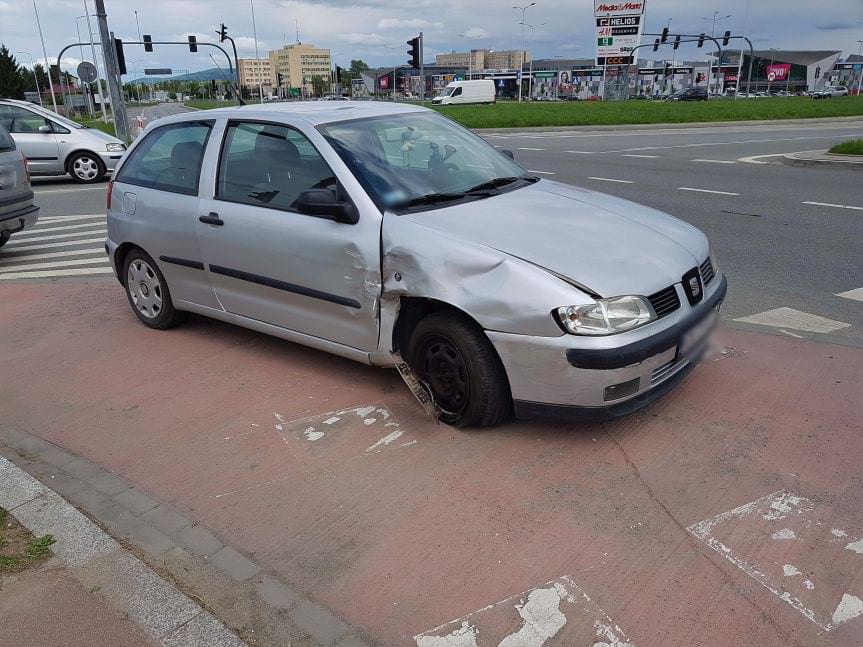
x,y
392,236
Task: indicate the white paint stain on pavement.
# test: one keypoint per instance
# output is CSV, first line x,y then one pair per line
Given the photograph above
x,y
856,546
541,618
464,636
785,533
836,532
790,570
849,607
782,505
386,440
610,636
364,421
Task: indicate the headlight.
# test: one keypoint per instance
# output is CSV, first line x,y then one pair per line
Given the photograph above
x,y
115,148
606,316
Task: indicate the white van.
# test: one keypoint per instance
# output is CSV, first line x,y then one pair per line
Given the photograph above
x,y
467,92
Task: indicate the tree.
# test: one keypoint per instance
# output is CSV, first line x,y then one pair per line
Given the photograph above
x,y
320,85
12,76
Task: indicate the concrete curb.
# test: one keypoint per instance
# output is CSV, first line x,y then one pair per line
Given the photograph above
x,y
232,586
823,159
688,125
97,560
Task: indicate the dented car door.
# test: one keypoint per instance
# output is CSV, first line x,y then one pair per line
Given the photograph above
x,y
269,261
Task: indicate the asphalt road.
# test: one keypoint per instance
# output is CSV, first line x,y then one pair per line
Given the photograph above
x,y
774,236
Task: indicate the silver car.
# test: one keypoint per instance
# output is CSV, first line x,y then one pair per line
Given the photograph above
x,y
17,211
382,232
54,145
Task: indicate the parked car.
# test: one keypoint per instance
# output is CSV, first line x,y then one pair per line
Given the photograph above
x,y
689,94
467,92
17,211
377,231
830,91
55,145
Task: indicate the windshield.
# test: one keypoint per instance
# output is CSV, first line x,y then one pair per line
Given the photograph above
x,y
448,90
411,159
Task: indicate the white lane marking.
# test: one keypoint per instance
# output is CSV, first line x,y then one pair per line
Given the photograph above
x,y
650,157
791,334
754,159
44,274
42,230
525,148
715,161
8,260
610,179
795,320
731,143
542,172
830,204
663,132
689,188
86,188
99,229
53,264
580,152
559,610
856,294
55,219
69,243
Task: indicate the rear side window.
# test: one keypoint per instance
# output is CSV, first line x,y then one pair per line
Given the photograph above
x,y
169,159
19,120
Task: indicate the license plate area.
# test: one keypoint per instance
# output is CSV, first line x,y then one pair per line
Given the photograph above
x,y
695,336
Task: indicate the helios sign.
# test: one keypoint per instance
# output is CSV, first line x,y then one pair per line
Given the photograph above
x,y
619,26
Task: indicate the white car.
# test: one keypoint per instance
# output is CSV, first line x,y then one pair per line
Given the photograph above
x,y
830,92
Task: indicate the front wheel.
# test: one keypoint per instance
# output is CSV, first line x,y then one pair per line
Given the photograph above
x,y
86,168
454,358
148,292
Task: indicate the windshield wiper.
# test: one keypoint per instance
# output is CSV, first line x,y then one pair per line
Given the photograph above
x,y
499,182
428,198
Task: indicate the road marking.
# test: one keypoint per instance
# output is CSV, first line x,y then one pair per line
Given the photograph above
x,y
55,273
56,219
558,609
525,148
830,204
689,188
57,236
610,179
7,260
68,243
650,157
791,334
580,152
747,537
795,320
856,294
52,264
42,230
86,188
542,172
716,161
753,159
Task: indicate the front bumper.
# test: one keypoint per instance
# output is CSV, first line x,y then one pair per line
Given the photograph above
x,y
110,159
603,377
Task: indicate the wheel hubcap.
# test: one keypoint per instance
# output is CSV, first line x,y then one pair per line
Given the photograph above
x,y
445,371
85,168
144,288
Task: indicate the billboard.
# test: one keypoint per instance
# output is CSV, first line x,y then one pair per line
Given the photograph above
x,y
619,26
777,72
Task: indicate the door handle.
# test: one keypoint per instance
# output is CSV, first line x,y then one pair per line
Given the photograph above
x,y
212,219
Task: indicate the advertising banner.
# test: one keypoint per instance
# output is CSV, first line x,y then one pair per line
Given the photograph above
x,y
619,26
777,72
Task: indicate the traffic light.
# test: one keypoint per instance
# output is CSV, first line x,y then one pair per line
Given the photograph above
x,y
279,79
701,40
677,42
222,32
414,53
148,43
656,45
664,37
193,43
725,38
339,74
121,59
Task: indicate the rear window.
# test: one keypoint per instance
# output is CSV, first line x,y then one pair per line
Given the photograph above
x,y
6,142
169,158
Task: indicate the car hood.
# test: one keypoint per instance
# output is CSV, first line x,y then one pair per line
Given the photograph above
x,y
606,245
97,135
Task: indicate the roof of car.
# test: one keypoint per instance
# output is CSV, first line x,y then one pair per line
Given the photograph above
x,y
315,112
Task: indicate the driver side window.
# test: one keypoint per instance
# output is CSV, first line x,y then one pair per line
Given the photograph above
x,y
457,92
18,120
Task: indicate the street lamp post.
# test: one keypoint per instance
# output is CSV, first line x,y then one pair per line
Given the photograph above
x,y
257,60
35,78
530,72
714,19
81,50
523,45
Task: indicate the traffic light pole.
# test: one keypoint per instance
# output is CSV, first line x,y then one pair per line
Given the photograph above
x,y
112,73
422,71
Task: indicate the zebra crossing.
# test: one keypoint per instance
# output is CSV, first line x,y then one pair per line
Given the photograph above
x,y
56,247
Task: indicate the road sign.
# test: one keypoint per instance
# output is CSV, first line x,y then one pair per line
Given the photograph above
x,y
619,25
157,70
86,72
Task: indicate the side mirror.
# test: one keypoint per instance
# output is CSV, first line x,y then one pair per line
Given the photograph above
x,y
323,203
46,129
508,153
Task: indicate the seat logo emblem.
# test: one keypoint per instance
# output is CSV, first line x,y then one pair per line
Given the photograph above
x,y
694,287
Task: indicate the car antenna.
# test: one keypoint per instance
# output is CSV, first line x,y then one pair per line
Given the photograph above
x,y
229,82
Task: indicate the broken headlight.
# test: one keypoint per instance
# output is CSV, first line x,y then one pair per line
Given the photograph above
x,y
606,316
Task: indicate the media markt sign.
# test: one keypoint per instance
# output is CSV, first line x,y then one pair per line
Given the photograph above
x,y
619,26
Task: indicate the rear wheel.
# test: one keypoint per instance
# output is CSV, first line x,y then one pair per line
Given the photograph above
x,y
457,362
148,292
86,168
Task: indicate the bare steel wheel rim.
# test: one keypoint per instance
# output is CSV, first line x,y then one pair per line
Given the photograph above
x,y
85,167
444,369
144,288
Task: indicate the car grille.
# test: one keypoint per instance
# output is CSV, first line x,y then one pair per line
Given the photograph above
x,y
665,301
707,271
667,370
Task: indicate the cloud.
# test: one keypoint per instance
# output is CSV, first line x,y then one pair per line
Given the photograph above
x,y
411,23
374,40
838,26
477,32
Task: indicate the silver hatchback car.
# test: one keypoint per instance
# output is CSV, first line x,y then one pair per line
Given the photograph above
x,y
383,231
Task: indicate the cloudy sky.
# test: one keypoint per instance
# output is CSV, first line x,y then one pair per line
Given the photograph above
x,y
376,30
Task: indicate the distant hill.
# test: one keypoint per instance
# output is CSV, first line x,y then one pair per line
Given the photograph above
x,y
201,75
